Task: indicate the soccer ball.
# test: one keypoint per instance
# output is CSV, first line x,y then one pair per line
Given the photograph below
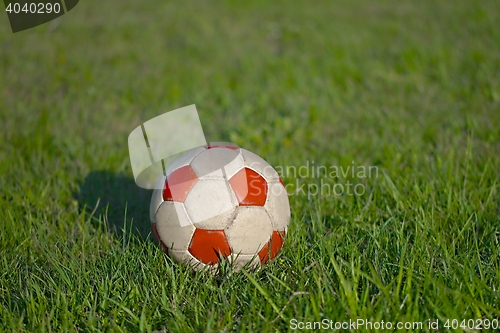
x,y
220,202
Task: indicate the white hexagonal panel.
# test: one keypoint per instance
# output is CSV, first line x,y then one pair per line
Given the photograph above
x,y
217,174
173,225
157,198
183,160
185,257
211,160
250,230
278,206
181,256
259,165
209,204
244,260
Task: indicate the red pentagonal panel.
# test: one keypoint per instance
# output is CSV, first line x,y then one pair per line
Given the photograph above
x,y
208,245
179,183
158,240
277,241
249,187
264,253
271,249
223,146
282,183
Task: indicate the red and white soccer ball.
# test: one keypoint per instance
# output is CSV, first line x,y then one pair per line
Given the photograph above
x,y
219,202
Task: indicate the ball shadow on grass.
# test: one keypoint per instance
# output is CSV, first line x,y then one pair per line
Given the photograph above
x,y
122,203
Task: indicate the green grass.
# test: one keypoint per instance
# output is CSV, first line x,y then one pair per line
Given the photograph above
x,y
412,88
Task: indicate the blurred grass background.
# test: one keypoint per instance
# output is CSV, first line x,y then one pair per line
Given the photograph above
x,y
410,87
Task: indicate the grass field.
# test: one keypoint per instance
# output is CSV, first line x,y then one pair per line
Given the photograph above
x,y
411,88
